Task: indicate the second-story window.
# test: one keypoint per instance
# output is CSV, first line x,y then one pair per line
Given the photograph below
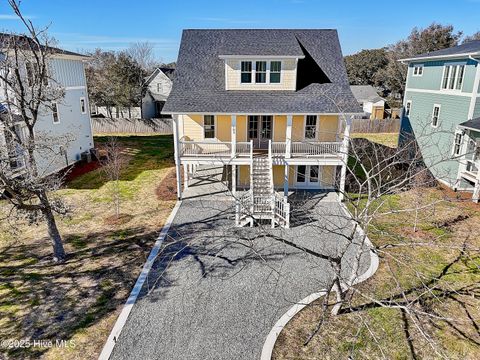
x,y
453,77
56,119
209,126
435,115
275,71
418,70
83,105
408,107
246,69
260,72
310,126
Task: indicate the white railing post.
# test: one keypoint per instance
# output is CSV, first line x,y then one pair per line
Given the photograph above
x,y
176,144
344,154
288,137
237,212
234,135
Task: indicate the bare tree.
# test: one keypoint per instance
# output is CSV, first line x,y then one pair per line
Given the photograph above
x,y
112,164
29,92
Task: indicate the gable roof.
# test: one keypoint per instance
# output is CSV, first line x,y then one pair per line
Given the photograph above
x,y
199,84
472,124
365,93
26,43
469,48
169,72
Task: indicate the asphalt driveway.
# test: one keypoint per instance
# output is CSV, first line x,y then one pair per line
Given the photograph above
x,y
215,291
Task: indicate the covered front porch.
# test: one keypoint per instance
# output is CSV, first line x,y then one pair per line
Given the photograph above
x,y
467,146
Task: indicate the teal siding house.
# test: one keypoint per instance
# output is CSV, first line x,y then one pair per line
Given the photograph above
x,y
441,108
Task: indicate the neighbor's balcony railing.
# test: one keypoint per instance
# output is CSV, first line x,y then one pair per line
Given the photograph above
x,y
279,149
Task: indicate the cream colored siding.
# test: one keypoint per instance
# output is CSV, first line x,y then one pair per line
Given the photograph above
x,y
193,127
243,175
328,176
224,127
241,128
328,127
280,128
297,127
287,77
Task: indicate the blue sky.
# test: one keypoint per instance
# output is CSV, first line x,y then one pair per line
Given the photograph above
x,y
109,24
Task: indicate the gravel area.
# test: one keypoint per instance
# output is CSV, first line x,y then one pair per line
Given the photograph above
x,y
215,291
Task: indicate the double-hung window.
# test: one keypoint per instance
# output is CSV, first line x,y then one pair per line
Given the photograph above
x,y
246,72
435,115
260,72
275,72
56,118
418,70
310,126
209,126
453,77
457,143
408,108
83,105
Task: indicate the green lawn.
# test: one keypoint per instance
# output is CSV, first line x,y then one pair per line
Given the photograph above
x,y
367,331
387,139
80,299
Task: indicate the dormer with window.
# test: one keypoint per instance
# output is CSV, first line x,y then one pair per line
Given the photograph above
x,y
260,72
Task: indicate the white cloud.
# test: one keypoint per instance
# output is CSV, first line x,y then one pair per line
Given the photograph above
x,y
15,17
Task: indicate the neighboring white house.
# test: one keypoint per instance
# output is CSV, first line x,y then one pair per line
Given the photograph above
x,y
158,84
68,128
373,105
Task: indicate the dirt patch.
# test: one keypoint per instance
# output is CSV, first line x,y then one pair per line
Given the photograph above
x,y
118,220
167,190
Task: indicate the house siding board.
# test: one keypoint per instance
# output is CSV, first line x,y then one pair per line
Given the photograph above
x,y
193,127
280,128
433,75
454,110
328,128
241,128
476,111
73,124
224,128
287,80
68,72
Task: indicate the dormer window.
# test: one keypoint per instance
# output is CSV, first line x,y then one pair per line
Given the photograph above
x,y
275,71
260,72
246,72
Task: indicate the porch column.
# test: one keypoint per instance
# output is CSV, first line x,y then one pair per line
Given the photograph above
x,y
288,137
234,135
344,155
234,180
186,176
285,180
176,145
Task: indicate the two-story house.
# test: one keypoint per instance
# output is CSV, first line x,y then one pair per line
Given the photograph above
x,y
268,105
66,126
442,107
158,86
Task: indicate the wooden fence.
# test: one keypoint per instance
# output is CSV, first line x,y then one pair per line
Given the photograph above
x,y
131,126
375,126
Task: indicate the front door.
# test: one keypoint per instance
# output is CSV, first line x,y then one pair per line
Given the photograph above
x,y
307,177
260,130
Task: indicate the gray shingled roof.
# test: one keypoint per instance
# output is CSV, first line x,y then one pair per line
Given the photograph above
x,y
467,48
472,124
365,93
199,84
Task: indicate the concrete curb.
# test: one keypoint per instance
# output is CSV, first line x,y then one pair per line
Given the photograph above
x,y
127,308
272,336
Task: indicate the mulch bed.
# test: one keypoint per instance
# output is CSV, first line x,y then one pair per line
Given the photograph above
x,y
80,168
167,190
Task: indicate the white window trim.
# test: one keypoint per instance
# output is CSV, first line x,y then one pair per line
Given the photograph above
x,y
85,104
415,67
409,102
438,116
58,115
451,65
254,69
214,128
316,127
462,135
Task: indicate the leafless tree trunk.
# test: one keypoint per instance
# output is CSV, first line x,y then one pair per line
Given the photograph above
x,y
113,165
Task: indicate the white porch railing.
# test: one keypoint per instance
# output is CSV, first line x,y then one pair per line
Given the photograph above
x,y
282,209
279,149
205,148
316,148
243,148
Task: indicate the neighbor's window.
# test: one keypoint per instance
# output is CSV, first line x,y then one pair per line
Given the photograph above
x,y
418,70
246,69
56,119
453,77
435,115
457,145
310,126
209,126
260,72
408,107
83,105
275,71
